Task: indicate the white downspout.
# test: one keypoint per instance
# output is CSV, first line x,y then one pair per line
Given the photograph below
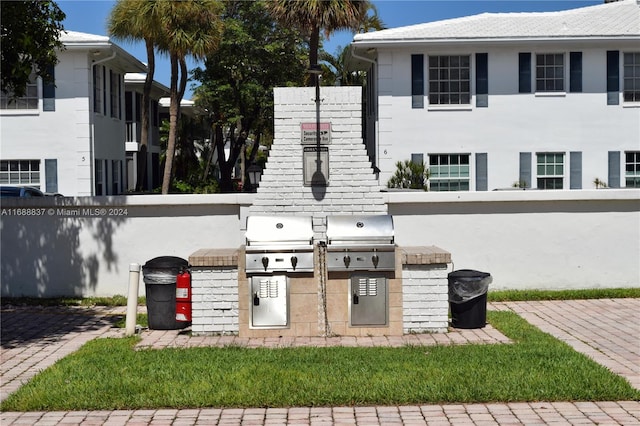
x,y
92,136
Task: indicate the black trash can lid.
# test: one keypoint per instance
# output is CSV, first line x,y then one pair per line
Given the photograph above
x,y
166,262
468,275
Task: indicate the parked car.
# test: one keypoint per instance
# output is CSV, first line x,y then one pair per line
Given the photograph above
x,y
19,192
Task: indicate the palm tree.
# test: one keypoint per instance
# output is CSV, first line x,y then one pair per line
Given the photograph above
x,y
310,16
334,68
189,28
135,20
372,21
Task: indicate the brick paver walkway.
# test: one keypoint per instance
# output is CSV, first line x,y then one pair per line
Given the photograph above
x,y
34,338
606,330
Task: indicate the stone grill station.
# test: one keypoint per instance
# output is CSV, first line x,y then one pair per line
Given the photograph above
x,y
386,289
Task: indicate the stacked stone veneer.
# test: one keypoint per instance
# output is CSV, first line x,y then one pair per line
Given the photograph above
x,y
425,289
214,284
352,188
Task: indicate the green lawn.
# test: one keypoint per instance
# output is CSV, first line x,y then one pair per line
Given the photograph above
x,y
110,374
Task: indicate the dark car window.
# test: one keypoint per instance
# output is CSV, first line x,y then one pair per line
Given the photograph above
x,y
18,191
31,193
10,192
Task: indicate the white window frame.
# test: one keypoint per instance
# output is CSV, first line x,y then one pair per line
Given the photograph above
x,y
632,169
20,172
545,67
548,171
631,77
439,177
29,102
433,95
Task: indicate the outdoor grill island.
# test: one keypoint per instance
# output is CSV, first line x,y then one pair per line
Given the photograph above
x,y
354,282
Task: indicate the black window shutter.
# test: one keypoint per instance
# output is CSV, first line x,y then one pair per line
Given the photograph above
x,y
575,72
525,169
104,91
49,92
524,76
51,175
614,169
482,183
417,81
613,77
482,80
128,106
575,170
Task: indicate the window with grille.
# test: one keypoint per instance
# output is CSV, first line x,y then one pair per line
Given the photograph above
x,y
28,101
550,72
632,169
631,79
449,172
550,170
449,80
20,172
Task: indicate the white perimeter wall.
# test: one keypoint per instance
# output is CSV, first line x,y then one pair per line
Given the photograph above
x,y
84,248
530,239
525,239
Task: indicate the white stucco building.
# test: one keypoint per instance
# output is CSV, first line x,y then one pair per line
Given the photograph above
x,y
545,100
72,137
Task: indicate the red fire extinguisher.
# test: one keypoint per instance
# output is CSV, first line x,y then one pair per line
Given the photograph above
x,y
183,296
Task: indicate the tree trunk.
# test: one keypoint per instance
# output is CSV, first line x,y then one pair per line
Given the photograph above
x,y
173,125
141,179
314,45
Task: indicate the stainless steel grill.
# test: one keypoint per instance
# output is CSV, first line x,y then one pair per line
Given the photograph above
x,y
279,244
360,243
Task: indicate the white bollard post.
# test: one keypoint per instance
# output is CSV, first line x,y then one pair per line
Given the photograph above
x,y
132,299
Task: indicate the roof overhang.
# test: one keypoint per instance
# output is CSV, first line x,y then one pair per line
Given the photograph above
x,y
102,49
135,79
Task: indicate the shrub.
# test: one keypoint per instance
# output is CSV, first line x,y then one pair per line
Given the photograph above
x,y
410,175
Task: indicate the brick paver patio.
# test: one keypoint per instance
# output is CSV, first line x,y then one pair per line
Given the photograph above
x,y
607,330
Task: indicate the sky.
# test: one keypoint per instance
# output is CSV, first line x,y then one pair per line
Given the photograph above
x,y
90,16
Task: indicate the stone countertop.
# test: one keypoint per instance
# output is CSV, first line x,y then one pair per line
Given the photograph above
x,y
418,255
423,255
214,257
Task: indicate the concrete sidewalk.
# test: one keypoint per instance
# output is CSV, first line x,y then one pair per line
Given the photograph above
x,y
606,330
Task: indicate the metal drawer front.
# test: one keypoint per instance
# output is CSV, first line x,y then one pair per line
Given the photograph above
x,y
269,302
369,301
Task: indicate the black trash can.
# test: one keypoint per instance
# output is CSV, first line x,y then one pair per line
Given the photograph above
x,y
160,276
468,298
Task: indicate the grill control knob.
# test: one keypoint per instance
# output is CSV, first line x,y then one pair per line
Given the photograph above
x,y
294,262
375,259
347,260
265,262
